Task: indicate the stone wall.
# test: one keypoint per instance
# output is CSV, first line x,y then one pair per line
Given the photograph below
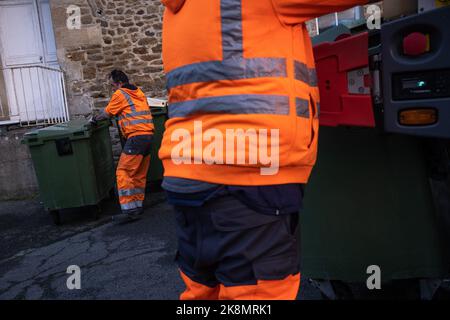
x,y
17,177
123,34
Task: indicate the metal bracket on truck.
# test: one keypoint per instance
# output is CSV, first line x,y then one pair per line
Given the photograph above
x,y
396,79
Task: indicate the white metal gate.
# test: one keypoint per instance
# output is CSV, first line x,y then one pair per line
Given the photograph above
x,y
36,95
33,82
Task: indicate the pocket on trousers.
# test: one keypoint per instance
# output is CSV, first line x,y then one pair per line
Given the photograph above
x,y
276,268
229,214
292,224
130,147
180,217
187,238
139,145
313,115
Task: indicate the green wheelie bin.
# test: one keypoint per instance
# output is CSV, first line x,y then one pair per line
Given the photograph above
x,y
73,163
156,170
369,203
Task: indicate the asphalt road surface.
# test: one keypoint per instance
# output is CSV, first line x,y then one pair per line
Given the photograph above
x,y
125,261
116,261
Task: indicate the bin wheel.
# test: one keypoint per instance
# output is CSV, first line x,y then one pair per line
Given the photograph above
x,y
112,194
56,217
343,290
96,211
339,289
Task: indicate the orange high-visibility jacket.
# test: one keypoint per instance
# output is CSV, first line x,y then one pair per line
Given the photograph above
x,y
133,112
243,64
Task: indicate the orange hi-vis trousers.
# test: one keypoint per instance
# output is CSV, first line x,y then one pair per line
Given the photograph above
x,y
132,173
227,251
285,289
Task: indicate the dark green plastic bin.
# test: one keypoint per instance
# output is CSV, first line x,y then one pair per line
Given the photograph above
x,y
156,170
73,163
369,202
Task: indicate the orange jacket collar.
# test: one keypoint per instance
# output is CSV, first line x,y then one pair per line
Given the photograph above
x,y
173,5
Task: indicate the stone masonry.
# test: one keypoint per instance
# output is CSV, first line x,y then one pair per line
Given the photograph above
x,y
123,34
119,34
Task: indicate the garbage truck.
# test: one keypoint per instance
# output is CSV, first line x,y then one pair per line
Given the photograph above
x,y
377,207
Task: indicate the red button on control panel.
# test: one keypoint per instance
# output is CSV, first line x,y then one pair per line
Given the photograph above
x,y
416,44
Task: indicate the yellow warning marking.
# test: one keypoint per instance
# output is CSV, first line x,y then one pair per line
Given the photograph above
x,y
442,3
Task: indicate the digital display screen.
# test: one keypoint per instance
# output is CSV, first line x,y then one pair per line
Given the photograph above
x,y
430,84
414,84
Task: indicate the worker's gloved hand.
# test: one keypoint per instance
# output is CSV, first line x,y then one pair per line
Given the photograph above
x,y
100,116
93,121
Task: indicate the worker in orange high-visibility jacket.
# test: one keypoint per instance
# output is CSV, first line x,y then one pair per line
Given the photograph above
x,y
241,80
130,107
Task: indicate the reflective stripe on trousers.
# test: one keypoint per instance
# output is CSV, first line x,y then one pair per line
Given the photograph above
x,y
130,192
132,172
131,180
131,205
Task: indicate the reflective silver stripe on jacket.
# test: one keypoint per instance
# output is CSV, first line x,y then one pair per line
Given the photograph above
x,y
233,66
126,118
134,114
305,74
232,104
138,121
302,107
129,100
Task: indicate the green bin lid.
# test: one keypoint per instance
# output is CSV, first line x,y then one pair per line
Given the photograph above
x,y
158,111
74,130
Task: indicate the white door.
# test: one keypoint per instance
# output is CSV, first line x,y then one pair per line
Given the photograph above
x,y
48,36
27,48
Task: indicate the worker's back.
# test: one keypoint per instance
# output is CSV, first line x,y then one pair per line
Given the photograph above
x,y
129,105
240,142
243,64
